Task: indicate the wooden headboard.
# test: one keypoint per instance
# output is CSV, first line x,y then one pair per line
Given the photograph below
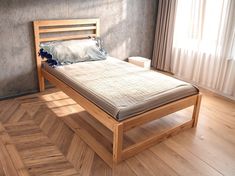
x,y
57,30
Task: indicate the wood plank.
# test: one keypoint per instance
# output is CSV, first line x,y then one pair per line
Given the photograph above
x,y
98,28
175,161
6,161
17,161
117,143
196,110
122,169
188,158
12,157
66,22
2,173
209,147
65,29
7,114
70,37
62,168
41,155
154,164
5,105
100,168
41,81
138,168
159,112
80,155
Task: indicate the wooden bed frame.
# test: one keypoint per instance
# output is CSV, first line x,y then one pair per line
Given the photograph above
x,y
117,128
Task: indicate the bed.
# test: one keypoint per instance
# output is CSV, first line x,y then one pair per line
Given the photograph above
x,y
119,95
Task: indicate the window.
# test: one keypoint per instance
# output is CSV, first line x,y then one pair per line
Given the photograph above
x,y
204,26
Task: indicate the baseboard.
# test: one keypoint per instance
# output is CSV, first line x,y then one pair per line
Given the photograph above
x,y
210,91
48,86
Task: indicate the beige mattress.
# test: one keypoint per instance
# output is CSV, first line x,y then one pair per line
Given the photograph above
x,y
121,89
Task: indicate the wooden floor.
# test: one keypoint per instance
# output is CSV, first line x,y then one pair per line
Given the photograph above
x,y
35,141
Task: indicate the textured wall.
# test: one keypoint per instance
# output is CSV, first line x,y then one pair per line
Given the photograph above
x,y
127,27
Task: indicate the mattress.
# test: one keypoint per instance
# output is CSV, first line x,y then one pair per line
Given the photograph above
x,y
121,89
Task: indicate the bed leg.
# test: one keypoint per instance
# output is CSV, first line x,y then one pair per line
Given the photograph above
x,y
196,110
117,143
41,81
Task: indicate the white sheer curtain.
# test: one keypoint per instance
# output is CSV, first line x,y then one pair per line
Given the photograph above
x,y
204,45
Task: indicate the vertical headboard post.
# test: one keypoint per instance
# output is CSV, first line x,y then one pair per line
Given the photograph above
x,y
88,28
98,28
41,80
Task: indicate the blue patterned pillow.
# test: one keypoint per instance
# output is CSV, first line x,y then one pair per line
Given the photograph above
x,y
48,56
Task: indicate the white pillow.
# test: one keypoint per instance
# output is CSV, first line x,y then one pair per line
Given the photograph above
x,y
73,51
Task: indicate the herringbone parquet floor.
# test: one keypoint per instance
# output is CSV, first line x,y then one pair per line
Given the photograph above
x,y
35,141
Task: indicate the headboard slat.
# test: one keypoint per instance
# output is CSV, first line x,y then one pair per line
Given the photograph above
x,y
66,22
67,29
66,37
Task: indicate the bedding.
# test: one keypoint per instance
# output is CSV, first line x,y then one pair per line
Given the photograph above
x,y
72,51
121,89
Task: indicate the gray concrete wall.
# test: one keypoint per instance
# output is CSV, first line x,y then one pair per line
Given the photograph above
x,y
127,28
